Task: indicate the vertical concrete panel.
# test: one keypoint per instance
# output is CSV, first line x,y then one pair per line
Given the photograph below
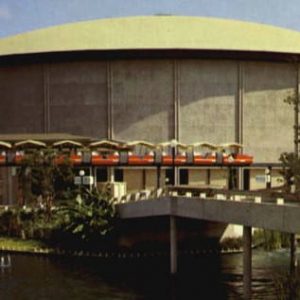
x,y
197,177
257,179
219,178
143,100
151,179
207,100
78,98
134,179
21,105
268,121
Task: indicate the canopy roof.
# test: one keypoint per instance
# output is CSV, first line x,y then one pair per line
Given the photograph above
x,y
29,144
5,145
154,32
142,143
67,143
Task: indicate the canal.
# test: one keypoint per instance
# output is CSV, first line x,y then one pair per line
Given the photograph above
x,y
219,277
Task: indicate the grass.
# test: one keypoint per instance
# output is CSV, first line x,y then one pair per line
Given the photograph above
x,y
17,244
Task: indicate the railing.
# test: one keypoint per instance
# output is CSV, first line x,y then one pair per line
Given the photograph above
x,y
279,198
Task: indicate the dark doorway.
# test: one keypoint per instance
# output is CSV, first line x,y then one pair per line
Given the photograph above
x,y
101,174
169,177
183,176
246,181
119,175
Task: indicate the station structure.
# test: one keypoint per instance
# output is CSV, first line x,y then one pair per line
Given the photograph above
x,y
155,78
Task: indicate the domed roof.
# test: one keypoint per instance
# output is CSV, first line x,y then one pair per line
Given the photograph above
x,y
154,32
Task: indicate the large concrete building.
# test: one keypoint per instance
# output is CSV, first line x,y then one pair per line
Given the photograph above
x,y
156,78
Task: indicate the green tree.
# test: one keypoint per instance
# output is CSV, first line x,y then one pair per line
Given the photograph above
x,y
90,217
39,175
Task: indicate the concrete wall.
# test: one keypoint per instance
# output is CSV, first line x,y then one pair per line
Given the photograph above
x,y
22,99
151,178
78,98
147,99
267,120
207,100
197,177
142,100
257,178
134,179
219,177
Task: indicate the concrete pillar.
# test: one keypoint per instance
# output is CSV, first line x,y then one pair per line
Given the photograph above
x,y
111,174
268,171
173,245
247,261
144,179
208,177
95,176
293,256
158,176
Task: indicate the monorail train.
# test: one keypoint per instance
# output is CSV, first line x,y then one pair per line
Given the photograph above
x,y
110,153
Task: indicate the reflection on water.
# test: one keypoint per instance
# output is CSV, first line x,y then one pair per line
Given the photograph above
x,y
49,278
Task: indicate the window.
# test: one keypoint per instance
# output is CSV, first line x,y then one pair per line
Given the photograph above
x,y
119,176
169,180
246,183
183,176
101,174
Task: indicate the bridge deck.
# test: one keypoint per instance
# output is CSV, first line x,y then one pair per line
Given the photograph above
x,y
281,217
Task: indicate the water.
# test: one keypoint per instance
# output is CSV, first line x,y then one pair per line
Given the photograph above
x,y
56,278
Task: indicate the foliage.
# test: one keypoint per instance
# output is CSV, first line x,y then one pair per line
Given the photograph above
x,y
290,170
24,245
40,176
270,239
90,217
83,222
287,287
291,99
232,243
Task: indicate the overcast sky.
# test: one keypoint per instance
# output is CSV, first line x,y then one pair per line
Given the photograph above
x,y
24,15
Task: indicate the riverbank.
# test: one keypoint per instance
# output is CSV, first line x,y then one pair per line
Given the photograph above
x,y
15,245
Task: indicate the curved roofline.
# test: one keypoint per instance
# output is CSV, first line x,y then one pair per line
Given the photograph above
x,y
154,33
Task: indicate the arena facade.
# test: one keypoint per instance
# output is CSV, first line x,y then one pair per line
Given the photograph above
x,y
155,78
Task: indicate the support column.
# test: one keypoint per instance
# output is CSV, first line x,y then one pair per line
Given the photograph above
x,y
239,103
247,261
173,245
268,177
293,257
144,179
95,177
176,96
158,176
111,174
208,176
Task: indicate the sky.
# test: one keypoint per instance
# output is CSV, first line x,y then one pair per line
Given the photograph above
x,y
17,16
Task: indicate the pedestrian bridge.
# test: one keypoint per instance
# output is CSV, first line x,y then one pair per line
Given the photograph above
x,y
253,209
250,209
